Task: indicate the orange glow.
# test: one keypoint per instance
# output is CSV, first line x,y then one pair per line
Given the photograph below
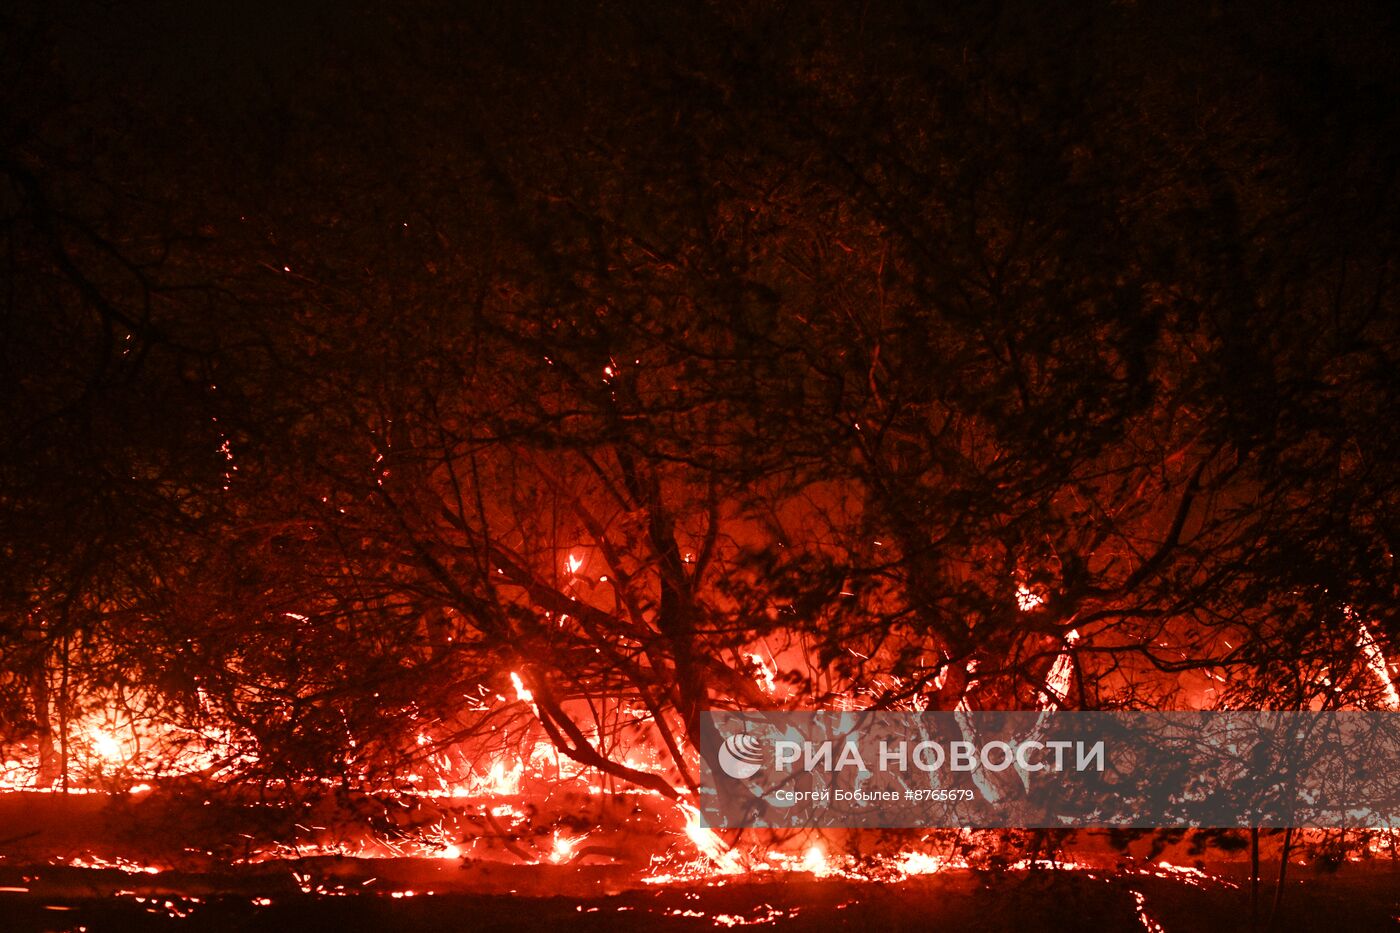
x,y
106,747
814,861
1375,661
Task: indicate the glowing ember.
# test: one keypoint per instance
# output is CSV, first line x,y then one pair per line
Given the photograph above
x,y
115,863
1192,876
1027,599
1148,924
768,915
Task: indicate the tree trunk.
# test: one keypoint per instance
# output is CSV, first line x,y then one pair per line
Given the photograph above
x,y
1254,878
49,762
1282,876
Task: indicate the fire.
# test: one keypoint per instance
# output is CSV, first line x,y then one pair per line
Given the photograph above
x,y
106,747
1375,661
725,859
1058,681
563,849
114,742
1061,676
575,564
500,781
521,692
767,677
814,861
917,862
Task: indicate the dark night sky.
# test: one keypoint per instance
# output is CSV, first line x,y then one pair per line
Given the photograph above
x,y
212,58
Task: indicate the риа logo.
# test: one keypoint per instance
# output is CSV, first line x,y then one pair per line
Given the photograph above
x,y
741,756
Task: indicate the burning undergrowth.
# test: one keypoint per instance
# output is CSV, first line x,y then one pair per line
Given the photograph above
x,y
209,850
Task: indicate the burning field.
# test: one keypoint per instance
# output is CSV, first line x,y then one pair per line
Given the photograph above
x,y
523,847
420,421
1047,898
615,876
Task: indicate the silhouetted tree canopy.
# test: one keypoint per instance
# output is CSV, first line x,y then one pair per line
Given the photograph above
x,y
752,355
